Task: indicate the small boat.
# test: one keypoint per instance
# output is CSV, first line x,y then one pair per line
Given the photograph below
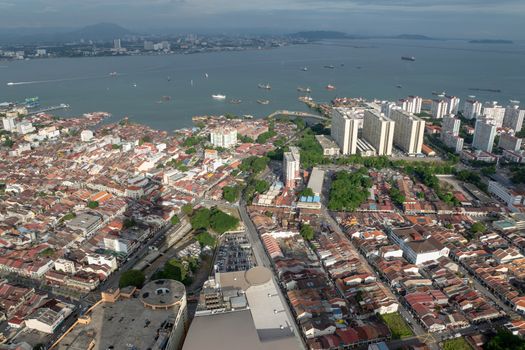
x,y
263,102
113,74
10,83
191,82
218,97
359,67
169,78
134,85
330,87
248,116
408,58
439,94
304,69
206,75
165,98
342,64
399,86
329,66
514,102
302,89
235,101
266,86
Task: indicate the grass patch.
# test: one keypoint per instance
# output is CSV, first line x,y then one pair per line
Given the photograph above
x,y
397,325
456,344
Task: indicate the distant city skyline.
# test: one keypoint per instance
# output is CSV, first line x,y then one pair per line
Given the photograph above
x,y
441,18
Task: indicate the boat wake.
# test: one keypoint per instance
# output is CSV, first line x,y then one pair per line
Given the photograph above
x,y
56,80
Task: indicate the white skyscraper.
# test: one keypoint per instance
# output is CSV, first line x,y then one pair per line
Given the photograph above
x,y
291,166
223,137
439,108
9,123
494,112
408,131
451,125
471,109
514,118
484,135
344,130
453,104
378,130
415,103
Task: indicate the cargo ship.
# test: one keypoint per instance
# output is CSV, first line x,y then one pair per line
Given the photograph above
x,y
408,58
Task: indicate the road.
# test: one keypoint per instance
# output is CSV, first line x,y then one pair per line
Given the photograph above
x,y
262,259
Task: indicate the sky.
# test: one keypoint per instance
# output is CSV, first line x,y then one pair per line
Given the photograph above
x,y
443,18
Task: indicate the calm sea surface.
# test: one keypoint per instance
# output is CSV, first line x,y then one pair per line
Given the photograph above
x,y
367,68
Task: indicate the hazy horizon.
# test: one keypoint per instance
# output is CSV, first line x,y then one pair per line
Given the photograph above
x,y
440,18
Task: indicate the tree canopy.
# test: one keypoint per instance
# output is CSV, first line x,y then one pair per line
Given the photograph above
x,y
307,232
132,278
230,193
349,190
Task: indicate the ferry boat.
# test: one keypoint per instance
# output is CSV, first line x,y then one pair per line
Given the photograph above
x,y
263,102
408,58
10,83
218,97
265,86
330,87
302,89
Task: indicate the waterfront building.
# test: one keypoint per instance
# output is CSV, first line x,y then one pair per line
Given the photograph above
x,y
513,118
453,104
494,112
378,131
223,137
291,166
414,104
484,135
472,109
439,108
345,126
408,131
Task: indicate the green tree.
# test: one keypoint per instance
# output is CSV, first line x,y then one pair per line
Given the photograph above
x,y
307,232
187,209
92,204
478,227
505,340
264,137
191,150
261,186
307,192
132,278
200,219
174,220
129,222
205,239
221,222
230,193
349,190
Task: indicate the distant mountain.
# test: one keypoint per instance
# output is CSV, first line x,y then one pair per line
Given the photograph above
x,y
320,35
96,32
491,41
413,37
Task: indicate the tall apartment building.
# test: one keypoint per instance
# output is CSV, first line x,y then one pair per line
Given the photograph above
x,y
408,132
291,166
514,117
387,107
509,142
9,123
378,130
471,109
411,104
453,141
453,104
494,112
439,108
344,130
450,124
223,137
484,134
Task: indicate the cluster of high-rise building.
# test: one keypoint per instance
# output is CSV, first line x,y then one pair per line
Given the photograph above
x,y
375,129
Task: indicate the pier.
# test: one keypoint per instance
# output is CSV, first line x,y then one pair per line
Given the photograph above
x,y
297,114
49,109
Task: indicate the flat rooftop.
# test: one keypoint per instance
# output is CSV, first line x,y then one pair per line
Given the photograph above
x,y
121,324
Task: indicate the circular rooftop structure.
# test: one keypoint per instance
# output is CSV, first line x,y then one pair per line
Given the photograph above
x,y
162,294
258,275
